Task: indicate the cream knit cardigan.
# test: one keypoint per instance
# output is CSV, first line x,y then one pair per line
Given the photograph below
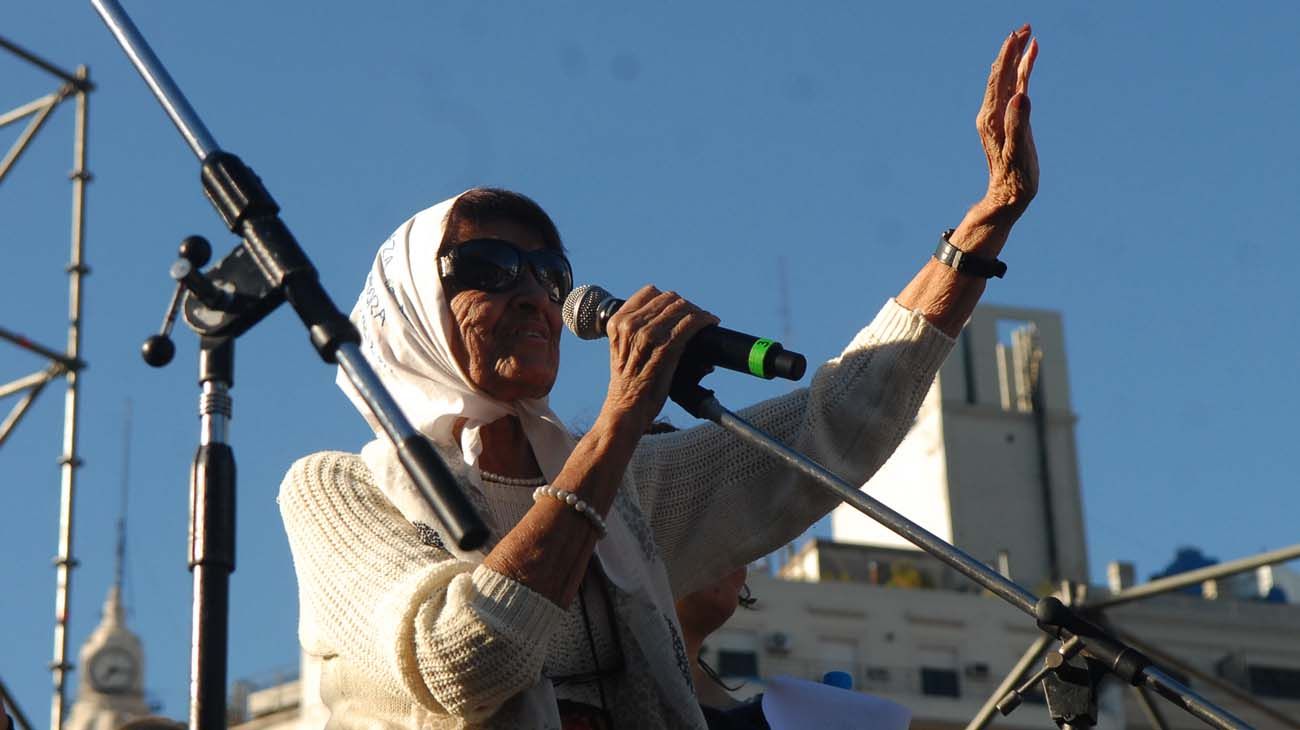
x,y
412,637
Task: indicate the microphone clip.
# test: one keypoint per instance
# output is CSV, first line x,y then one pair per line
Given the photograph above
x,y
686,390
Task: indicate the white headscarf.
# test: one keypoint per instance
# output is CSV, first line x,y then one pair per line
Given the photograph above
x,y
405,323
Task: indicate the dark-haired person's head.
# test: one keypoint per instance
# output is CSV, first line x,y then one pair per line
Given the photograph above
x,y
481,206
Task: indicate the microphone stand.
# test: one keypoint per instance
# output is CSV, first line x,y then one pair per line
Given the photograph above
x,y
266,269
212,534
1070,674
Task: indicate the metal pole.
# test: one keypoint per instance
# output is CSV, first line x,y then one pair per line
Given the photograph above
x,y
21,407
20,145
248,210
212,536
26,344
28,109
81,82
35,380
1149,709
1197,706
1010,682
155,75
958,559
704,405
1196,577
70,461
1191,671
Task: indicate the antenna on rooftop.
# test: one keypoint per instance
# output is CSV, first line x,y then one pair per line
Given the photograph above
x,y
120,553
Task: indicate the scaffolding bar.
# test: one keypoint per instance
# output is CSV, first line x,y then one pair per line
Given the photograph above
x,y
20,408
81,84
1196,577
36,379
70,461
41,350
20,144
28,109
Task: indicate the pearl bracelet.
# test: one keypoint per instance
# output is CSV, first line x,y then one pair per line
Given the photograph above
x,y
572,500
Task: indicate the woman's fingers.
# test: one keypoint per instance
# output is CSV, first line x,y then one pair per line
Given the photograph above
x,y
639,309
673,326
639,299
1019,139
686,323
651,322
1020,159
1017,127
1026,67
1007,69
1001,86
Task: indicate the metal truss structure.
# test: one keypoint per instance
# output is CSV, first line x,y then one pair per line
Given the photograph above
x,y
67,364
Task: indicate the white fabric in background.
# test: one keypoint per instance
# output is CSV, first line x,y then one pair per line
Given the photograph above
x,y
795,704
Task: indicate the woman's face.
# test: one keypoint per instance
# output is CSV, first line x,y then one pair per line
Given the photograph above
x,y
508,343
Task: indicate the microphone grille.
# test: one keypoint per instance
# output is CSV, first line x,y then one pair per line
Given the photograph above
x,y
580,309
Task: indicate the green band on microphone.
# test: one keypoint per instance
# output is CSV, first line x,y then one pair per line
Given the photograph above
x,y
757,354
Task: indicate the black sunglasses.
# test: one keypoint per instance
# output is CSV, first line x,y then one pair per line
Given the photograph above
x,y
493,265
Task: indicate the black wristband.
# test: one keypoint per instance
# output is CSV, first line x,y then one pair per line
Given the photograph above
x,y
963,263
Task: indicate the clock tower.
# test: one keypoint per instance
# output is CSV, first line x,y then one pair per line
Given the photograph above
x,y
110,691
111,687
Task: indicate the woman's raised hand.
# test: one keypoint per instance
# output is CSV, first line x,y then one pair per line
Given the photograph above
x,y
1003,124
647,336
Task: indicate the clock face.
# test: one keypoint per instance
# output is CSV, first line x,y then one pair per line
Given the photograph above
x,y
113,670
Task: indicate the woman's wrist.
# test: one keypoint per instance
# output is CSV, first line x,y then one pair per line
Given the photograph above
x,y
619,425
595,468
984,229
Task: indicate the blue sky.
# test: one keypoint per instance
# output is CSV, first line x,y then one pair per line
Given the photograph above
x,y
690,145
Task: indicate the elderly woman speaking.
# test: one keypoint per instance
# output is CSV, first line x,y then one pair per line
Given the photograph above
x,y
566,620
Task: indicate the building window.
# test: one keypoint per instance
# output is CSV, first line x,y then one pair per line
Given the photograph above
x,y
732,663
939,673
837,654
1274,682
940,682
737,653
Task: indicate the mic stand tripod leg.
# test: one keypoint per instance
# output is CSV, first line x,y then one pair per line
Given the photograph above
x,y
1154,718
1013,679
1209,680
212,536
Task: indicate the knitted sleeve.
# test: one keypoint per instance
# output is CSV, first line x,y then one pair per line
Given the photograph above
x,y
715,503
458,638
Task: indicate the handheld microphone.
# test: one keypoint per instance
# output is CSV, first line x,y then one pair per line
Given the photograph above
x,y
588,308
